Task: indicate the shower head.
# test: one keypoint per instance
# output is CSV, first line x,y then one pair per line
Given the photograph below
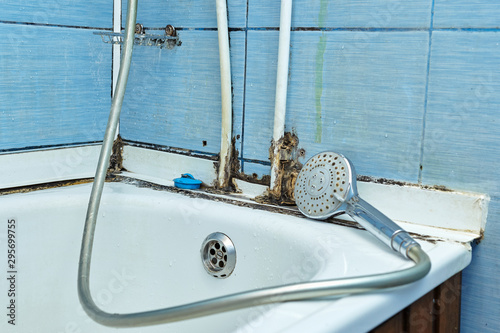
x,y
326,186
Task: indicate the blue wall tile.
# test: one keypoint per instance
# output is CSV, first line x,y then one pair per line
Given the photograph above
x,y
466,14
260,93
481,280
361,93
55,86
96,13
173,96
462,148
187,14
461,151
344,13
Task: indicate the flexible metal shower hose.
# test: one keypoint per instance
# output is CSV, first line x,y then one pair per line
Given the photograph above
x,y
291,292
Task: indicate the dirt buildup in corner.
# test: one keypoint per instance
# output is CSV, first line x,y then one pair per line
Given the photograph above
x,y
253,178
289,168
234,164
116,158
44,186
236,171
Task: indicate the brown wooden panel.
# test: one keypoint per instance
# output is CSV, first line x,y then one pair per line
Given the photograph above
x,y
392,325
447,306
438,311
420,315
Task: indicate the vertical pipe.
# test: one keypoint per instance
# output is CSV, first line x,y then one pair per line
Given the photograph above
x,y
225,76
116,51
281,90
117,26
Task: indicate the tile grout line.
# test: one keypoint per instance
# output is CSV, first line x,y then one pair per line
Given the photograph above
x,y
49,25
426,98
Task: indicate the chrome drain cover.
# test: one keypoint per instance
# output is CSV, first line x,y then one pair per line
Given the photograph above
x,y
218,255
322,185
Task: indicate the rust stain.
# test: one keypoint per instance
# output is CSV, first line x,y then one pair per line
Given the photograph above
x,y
116,158
229,173
226,185
289,168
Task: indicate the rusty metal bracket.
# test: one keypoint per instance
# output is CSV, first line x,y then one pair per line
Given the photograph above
x,y
168,41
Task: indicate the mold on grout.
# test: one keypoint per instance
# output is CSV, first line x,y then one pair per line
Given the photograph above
x,y
116,158
253,178
238,174
233,167
214,195
175,150
385,181
45,186
289,168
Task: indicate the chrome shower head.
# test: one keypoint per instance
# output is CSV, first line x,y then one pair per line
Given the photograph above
x,y
326,186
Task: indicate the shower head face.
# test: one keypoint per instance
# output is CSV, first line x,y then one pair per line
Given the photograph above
x,y
324,183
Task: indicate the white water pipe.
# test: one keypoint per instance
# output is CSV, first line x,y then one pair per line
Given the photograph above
x,y
281,88
116,51
225,77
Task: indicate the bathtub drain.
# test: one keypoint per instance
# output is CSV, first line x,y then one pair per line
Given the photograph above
x,y
218,255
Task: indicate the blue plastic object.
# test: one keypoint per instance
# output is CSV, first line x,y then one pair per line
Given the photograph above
x,y
187,181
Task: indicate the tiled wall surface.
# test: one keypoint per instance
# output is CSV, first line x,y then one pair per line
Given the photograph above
x,y
409,90
55,75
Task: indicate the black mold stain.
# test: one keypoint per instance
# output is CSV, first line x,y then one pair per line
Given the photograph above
x,y
385,181
174,150
40,187
116,158
206,195
289,168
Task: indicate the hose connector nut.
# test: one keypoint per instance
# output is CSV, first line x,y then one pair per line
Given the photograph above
x,y
139,29
170,31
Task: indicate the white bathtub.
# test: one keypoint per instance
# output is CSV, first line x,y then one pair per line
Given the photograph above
x,y
147,255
